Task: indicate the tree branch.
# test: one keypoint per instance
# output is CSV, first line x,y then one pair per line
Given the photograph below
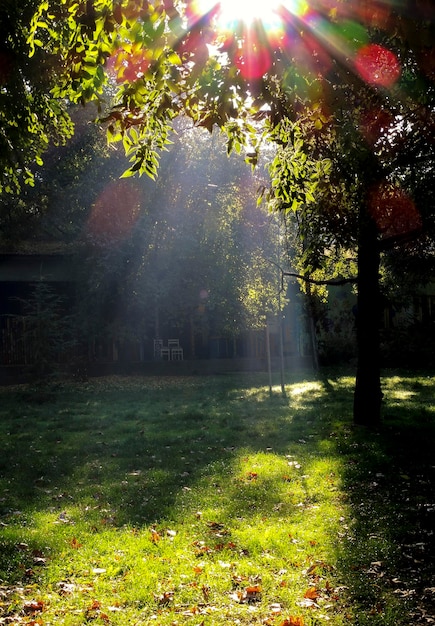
x,y
334,282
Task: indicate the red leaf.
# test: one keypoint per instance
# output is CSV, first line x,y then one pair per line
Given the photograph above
x,y
94,606
311,593
33,606
293,621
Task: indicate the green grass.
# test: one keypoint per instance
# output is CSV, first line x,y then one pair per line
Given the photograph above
x,y
203,500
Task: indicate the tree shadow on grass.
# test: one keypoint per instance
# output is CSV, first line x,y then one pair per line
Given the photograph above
x,y
387,557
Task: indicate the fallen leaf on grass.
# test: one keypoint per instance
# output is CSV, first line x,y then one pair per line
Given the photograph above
x,y
215,526
201,548
294,464
206,592
293,621
165,598
249,594
33,606
320,565
95,606
238,596
307,603
93,610
65,589
238,579
193,610
311,593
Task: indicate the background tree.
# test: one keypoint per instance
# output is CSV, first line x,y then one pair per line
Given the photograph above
x,y
186,253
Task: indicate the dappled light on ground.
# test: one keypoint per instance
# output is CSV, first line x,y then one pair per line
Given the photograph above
x,y
204,498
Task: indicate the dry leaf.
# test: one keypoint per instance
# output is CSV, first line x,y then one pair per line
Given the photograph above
x,y
307,603
293,621
33,606
238,596
311,593
193,610
165,598
95,606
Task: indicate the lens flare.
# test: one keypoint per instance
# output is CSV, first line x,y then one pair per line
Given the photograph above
x,y
377,65
394,211
115,212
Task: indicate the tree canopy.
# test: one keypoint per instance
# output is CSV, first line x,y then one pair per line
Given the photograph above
x,y
164,58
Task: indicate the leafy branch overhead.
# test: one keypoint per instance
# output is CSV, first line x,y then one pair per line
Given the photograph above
x,y
145,63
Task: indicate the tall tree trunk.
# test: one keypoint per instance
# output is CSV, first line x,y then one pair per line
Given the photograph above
x,y
368,395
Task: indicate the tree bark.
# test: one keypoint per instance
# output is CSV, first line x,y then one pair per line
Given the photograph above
x,y
367,394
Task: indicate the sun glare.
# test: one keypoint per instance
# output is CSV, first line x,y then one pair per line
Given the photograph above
x,y
232,12
248,11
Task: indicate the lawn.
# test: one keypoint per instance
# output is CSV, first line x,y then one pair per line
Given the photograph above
x,y
206,500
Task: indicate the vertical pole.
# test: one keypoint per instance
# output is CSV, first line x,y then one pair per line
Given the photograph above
x,y
269,363
280,324
281,346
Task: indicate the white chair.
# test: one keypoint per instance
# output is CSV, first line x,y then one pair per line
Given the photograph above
x,y
166,353
158,345
177,353
176,349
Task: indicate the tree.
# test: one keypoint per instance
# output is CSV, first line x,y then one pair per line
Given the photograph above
x,y
57,203
339,63
31,117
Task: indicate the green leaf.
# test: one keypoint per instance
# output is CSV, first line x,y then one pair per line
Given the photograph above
x,y
128,173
